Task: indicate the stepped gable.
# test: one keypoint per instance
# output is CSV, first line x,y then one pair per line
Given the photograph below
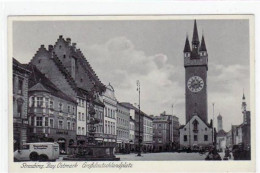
x,y
43,51
38,81
60,39
67,75
91,73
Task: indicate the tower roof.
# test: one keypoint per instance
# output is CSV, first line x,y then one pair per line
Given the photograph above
x,y
195,38
243,96
203,45
219,116
187,45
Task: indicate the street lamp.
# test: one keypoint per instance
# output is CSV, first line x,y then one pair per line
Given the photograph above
x,y
139,140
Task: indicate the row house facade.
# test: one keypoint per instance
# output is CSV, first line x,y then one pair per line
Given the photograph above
x,y
161,133
147,133
131,133
123,124
138,118
20,103
110,108
51,113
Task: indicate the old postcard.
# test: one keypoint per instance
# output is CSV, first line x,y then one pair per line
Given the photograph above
x,y
117,93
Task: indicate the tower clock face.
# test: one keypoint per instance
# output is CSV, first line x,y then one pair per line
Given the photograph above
x,y
195,84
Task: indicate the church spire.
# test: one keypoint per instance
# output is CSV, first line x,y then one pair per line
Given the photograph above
x,y
243,95
187,45
195,38
203,45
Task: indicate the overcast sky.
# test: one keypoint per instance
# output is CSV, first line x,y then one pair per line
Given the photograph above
x,y
122,52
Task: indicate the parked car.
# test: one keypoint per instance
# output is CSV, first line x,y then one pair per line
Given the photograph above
x,y
44,151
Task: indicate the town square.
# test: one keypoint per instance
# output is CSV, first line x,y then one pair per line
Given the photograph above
x,y
152,90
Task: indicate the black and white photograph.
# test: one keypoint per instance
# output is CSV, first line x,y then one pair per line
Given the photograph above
x,y
125,88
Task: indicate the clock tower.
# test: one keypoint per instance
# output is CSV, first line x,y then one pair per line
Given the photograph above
x,y
196,67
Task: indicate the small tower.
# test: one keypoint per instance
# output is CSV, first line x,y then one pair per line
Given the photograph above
x,y
243,108
220,126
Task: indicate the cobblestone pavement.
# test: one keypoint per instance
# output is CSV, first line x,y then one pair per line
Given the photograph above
x,y
165,156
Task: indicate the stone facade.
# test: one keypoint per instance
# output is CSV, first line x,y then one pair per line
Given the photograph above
x,y
20,103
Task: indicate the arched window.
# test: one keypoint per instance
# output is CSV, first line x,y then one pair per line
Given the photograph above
x,y
195,125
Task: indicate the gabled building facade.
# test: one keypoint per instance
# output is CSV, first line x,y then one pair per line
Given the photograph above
x,y
51,113
110,108
20,103
122,128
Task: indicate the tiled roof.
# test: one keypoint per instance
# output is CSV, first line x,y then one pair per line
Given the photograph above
x,y
38,80
38,87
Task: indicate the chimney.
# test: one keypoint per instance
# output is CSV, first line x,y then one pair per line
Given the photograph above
x,y
50,48
68,41
42,46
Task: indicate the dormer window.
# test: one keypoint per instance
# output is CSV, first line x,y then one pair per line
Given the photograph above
x,y
39,61
64,56
81,80
60,47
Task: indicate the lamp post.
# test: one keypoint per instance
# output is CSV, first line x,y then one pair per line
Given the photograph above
x,y
139,140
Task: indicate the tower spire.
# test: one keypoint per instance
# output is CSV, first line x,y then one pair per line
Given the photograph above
x,y
243,95
187,45
195,38
203,45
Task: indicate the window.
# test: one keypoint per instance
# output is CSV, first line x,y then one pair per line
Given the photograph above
x,y
73,109
47,102
185,138
39,121
51,104
64,56
46,122
39,102
83,130
79,116
73,126
159,140
60,107
19,108
206,129
83,119
69,128
20,86
60,124
33,101
69,108
195,138
51,123
195,125
205,137
79,130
